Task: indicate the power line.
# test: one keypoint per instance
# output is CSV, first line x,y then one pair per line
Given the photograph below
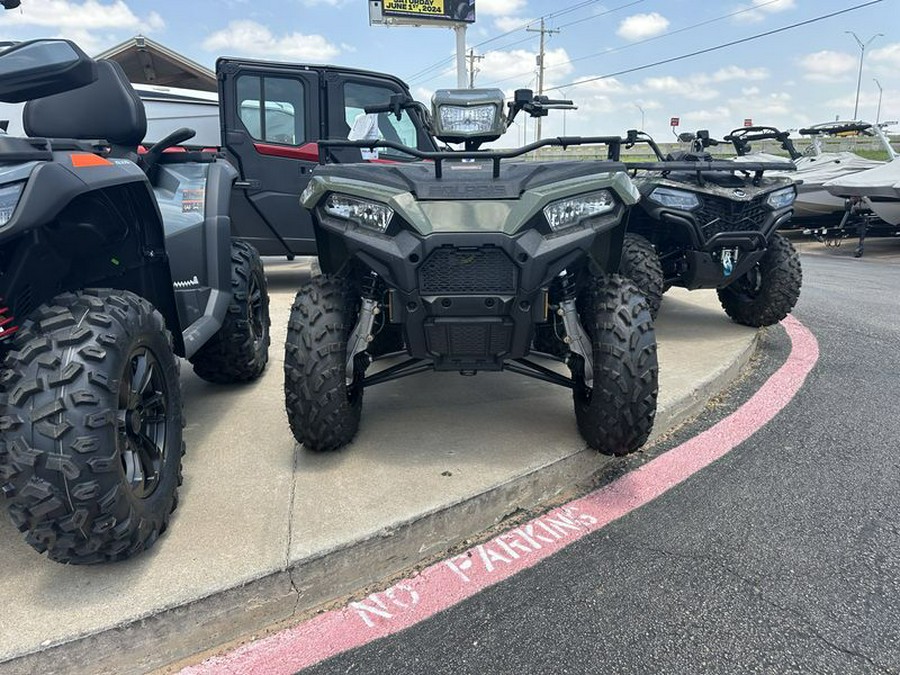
x,y
717,47
568,10
641,42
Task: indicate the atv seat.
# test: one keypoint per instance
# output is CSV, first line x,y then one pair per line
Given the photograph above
x,y
108,109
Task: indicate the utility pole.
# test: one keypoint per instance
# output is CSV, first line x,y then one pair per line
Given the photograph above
x,y
472,59
540,63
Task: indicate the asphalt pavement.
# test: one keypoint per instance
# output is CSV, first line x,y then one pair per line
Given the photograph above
x,y
781,557
266,531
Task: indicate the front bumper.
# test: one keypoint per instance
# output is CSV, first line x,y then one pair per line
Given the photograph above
x,y
469,300
703,260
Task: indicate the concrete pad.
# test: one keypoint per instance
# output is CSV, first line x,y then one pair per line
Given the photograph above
x,y
266,529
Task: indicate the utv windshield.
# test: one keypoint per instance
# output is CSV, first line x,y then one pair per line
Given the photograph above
x,y
377,126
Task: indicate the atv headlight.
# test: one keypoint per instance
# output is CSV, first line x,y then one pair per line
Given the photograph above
x,y
9,197
478,119
568,212
462,114
675,199
368,214
781,198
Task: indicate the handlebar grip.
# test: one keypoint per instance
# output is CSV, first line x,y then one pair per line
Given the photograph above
x,y
382,107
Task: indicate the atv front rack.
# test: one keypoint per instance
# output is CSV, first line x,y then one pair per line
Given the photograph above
x,y
613,144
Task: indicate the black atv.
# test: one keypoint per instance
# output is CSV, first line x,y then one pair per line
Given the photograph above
x,y
704,223
456,261
111,264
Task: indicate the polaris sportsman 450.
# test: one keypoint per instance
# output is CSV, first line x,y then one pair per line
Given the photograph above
x,y
456,261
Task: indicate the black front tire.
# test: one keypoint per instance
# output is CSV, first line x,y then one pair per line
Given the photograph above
x,y
91,414
769,291
239,351
616,415
641,264
322,410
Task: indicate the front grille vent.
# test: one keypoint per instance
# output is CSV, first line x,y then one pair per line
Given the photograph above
x,y
468,271
720,214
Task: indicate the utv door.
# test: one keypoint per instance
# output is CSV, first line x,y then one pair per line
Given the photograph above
x,y
270,116
348,93
273,114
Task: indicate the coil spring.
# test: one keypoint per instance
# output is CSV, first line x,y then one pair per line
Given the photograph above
x,y
369,286
567,286
6,319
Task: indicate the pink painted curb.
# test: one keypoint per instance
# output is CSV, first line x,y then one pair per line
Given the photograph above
x,y
450,581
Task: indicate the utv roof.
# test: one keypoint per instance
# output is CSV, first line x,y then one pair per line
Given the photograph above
x,y
310,67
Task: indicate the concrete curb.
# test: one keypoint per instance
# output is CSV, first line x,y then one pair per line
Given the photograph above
x,y
160,639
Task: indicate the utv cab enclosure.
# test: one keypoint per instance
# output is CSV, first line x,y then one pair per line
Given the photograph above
x,y
272,116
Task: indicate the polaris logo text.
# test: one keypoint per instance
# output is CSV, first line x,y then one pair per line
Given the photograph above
x,y
467,190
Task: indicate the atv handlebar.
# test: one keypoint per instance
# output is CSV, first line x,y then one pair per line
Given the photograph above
x,y
742,136
397,104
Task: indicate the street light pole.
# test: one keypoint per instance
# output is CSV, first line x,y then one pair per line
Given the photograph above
x,y
880,92
642,115
862,55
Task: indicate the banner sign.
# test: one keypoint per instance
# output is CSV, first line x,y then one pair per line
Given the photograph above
x,y
462,11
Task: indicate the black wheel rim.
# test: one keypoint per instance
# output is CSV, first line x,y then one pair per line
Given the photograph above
x,y
256,309
143,422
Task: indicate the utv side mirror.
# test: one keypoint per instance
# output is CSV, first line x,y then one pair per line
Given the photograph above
x,y
40,68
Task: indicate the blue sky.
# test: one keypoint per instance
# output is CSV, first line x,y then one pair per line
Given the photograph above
x,y
798,77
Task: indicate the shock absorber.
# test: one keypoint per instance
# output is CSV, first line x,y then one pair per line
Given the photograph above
x,y
361,335
576,337
6,322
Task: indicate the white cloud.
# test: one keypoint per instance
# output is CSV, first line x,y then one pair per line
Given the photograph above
x,y
750,91
87,15
498,7
733,73
719,114
762,108
254,39
827,65
889,55
774,6
640,26
608,85
516,67
758,10
506,24
695,87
